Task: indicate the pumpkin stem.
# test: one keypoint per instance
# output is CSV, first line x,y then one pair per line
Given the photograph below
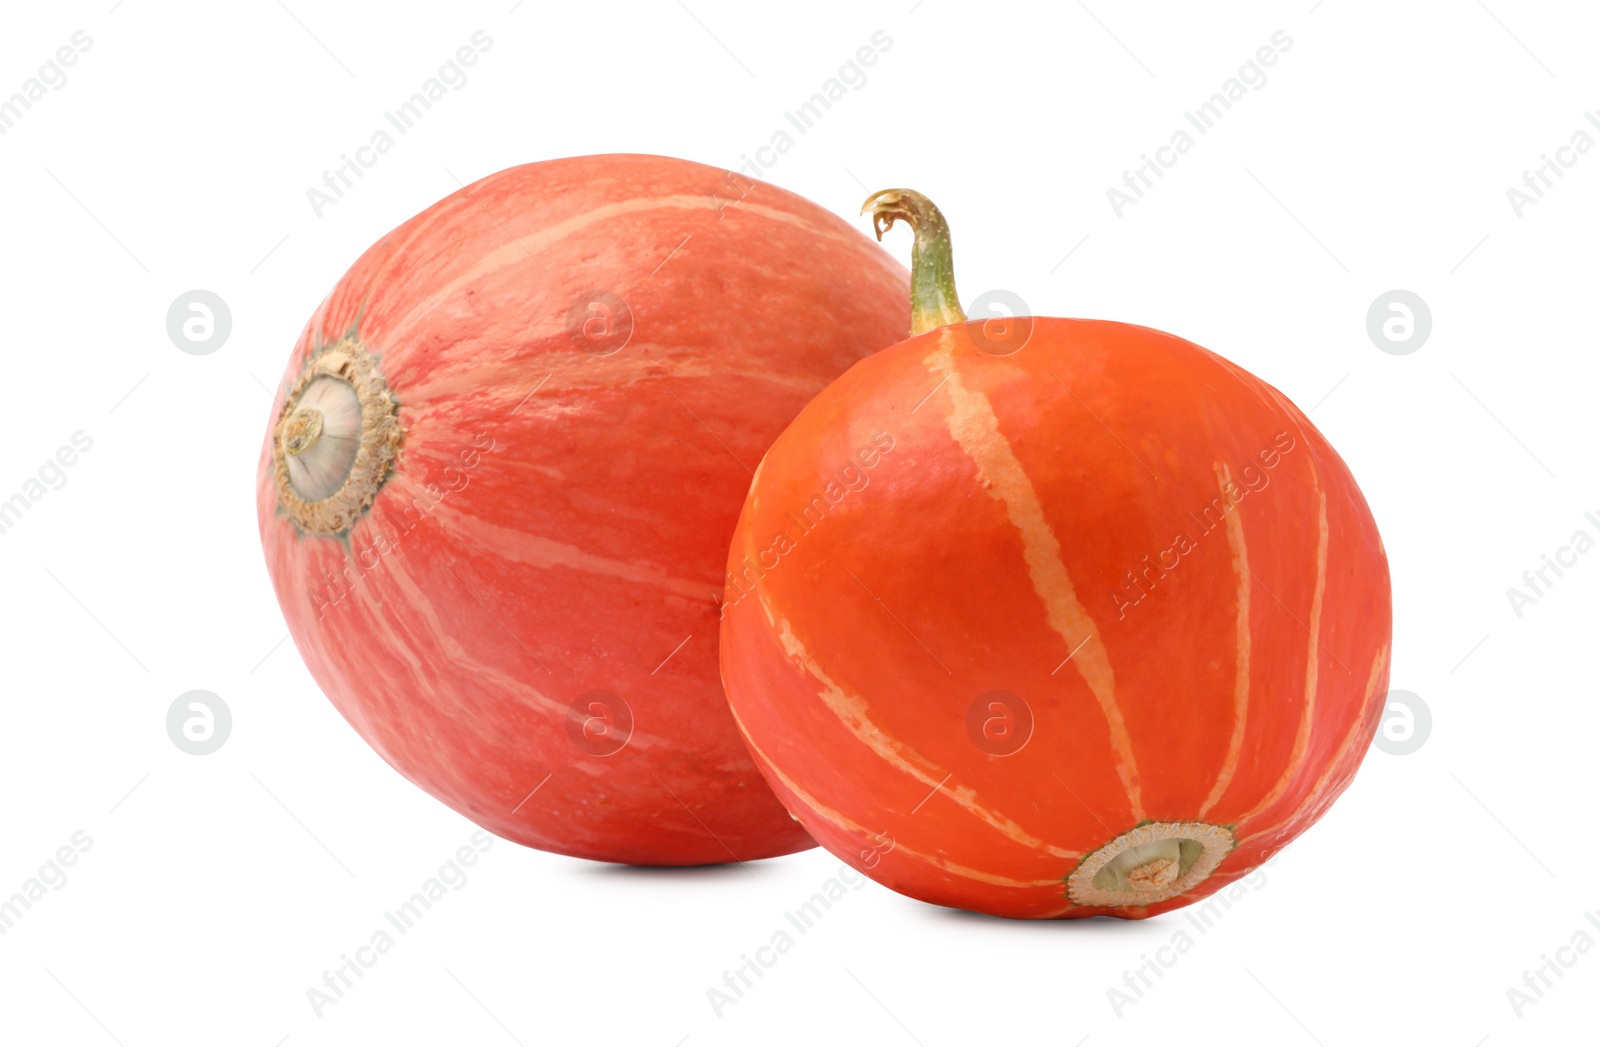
x,y
933,277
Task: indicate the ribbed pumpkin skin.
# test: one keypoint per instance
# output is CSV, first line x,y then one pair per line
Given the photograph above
x,y
580,536
984,548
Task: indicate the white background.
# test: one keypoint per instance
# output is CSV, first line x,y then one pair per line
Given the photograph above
x,y
1377,156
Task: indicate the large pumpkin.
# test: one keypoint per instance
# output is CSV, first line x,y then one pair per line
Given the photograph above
x,y
497,493
1053,618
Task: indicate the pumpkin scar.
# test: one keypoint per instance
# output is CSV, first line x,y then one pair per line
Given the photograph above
x,y
1241,677
976,429
853,713
839,821
1302,737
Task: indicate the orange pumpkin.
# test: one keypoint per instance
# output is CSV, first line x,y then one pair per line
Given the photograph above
x,y
495,495
1052,618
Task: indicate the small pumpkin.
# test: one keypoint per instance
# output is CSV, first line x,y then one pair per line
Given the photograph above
x,y
1052,618
497,491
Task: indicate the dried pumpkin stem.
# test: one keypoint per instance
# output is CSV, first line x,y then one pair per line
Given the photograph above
x,y
933,276
302,430
336,441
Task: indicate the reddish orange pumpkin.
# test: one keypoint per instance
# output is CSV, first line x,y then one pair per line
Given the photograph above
x,y
1056,618
497,493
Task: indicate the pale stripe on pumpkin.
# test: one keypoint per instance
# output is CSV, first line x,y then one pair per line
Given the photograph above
x,y
501,388
1241,658
838,820
852,711
798,220
975,428
491,679
396,651
532,242
535,551
1302,736
1317,799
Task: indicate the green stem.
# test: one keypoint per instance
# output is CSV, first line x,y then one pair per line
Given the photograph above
x,y
933,277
